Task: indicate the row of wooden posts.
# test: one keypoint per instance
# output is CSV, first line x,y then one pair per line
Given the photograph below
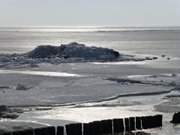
x,y
103,127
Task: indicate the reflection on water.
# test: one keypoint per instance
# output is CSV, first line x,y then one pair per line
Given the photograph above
x,y
40,73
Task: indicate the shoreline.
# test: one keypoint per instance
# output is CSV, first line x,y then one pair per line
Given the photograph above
x,y
93,79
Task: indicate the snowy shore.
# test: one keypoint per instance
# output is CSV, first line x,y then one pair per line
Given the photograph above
x,y
53,94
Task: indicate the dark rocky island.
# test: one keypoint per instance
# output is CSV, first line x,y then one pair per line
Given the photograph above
x,y
74,50
65,53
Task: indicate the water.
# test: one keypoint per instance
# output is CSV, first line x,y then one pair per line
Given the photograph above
x,y
132,40
150,41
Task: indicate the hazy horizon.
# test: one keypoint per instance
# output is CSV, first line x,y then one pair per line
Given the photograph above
x,y
88,26
121,13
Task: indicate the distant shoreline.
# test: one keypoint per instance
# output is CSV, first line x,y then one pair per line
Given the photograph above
x,y
85,28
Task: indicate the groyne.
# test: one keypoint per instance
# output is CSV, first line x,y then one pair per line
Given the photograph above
x,y
103,127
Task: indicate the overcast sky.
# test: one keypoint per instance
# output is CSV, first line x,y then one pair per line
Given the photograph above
x,y
90,12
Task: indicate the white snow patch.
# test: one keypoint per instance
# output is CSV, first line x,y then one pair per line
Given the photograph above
x,y
40,73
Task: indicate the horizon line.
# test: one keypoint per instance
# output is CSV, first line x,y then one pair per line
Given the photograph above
x,y
88,26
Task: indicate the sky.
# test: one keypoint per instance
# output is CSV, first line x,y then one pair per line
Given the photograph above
x,y
90,13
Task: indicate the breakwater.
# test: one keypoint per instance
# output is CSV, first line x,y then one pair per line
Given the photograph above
x,y
103,127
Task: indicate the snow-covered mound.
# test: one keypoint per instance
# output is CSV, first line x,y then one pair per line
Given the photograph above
x,y
74,50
